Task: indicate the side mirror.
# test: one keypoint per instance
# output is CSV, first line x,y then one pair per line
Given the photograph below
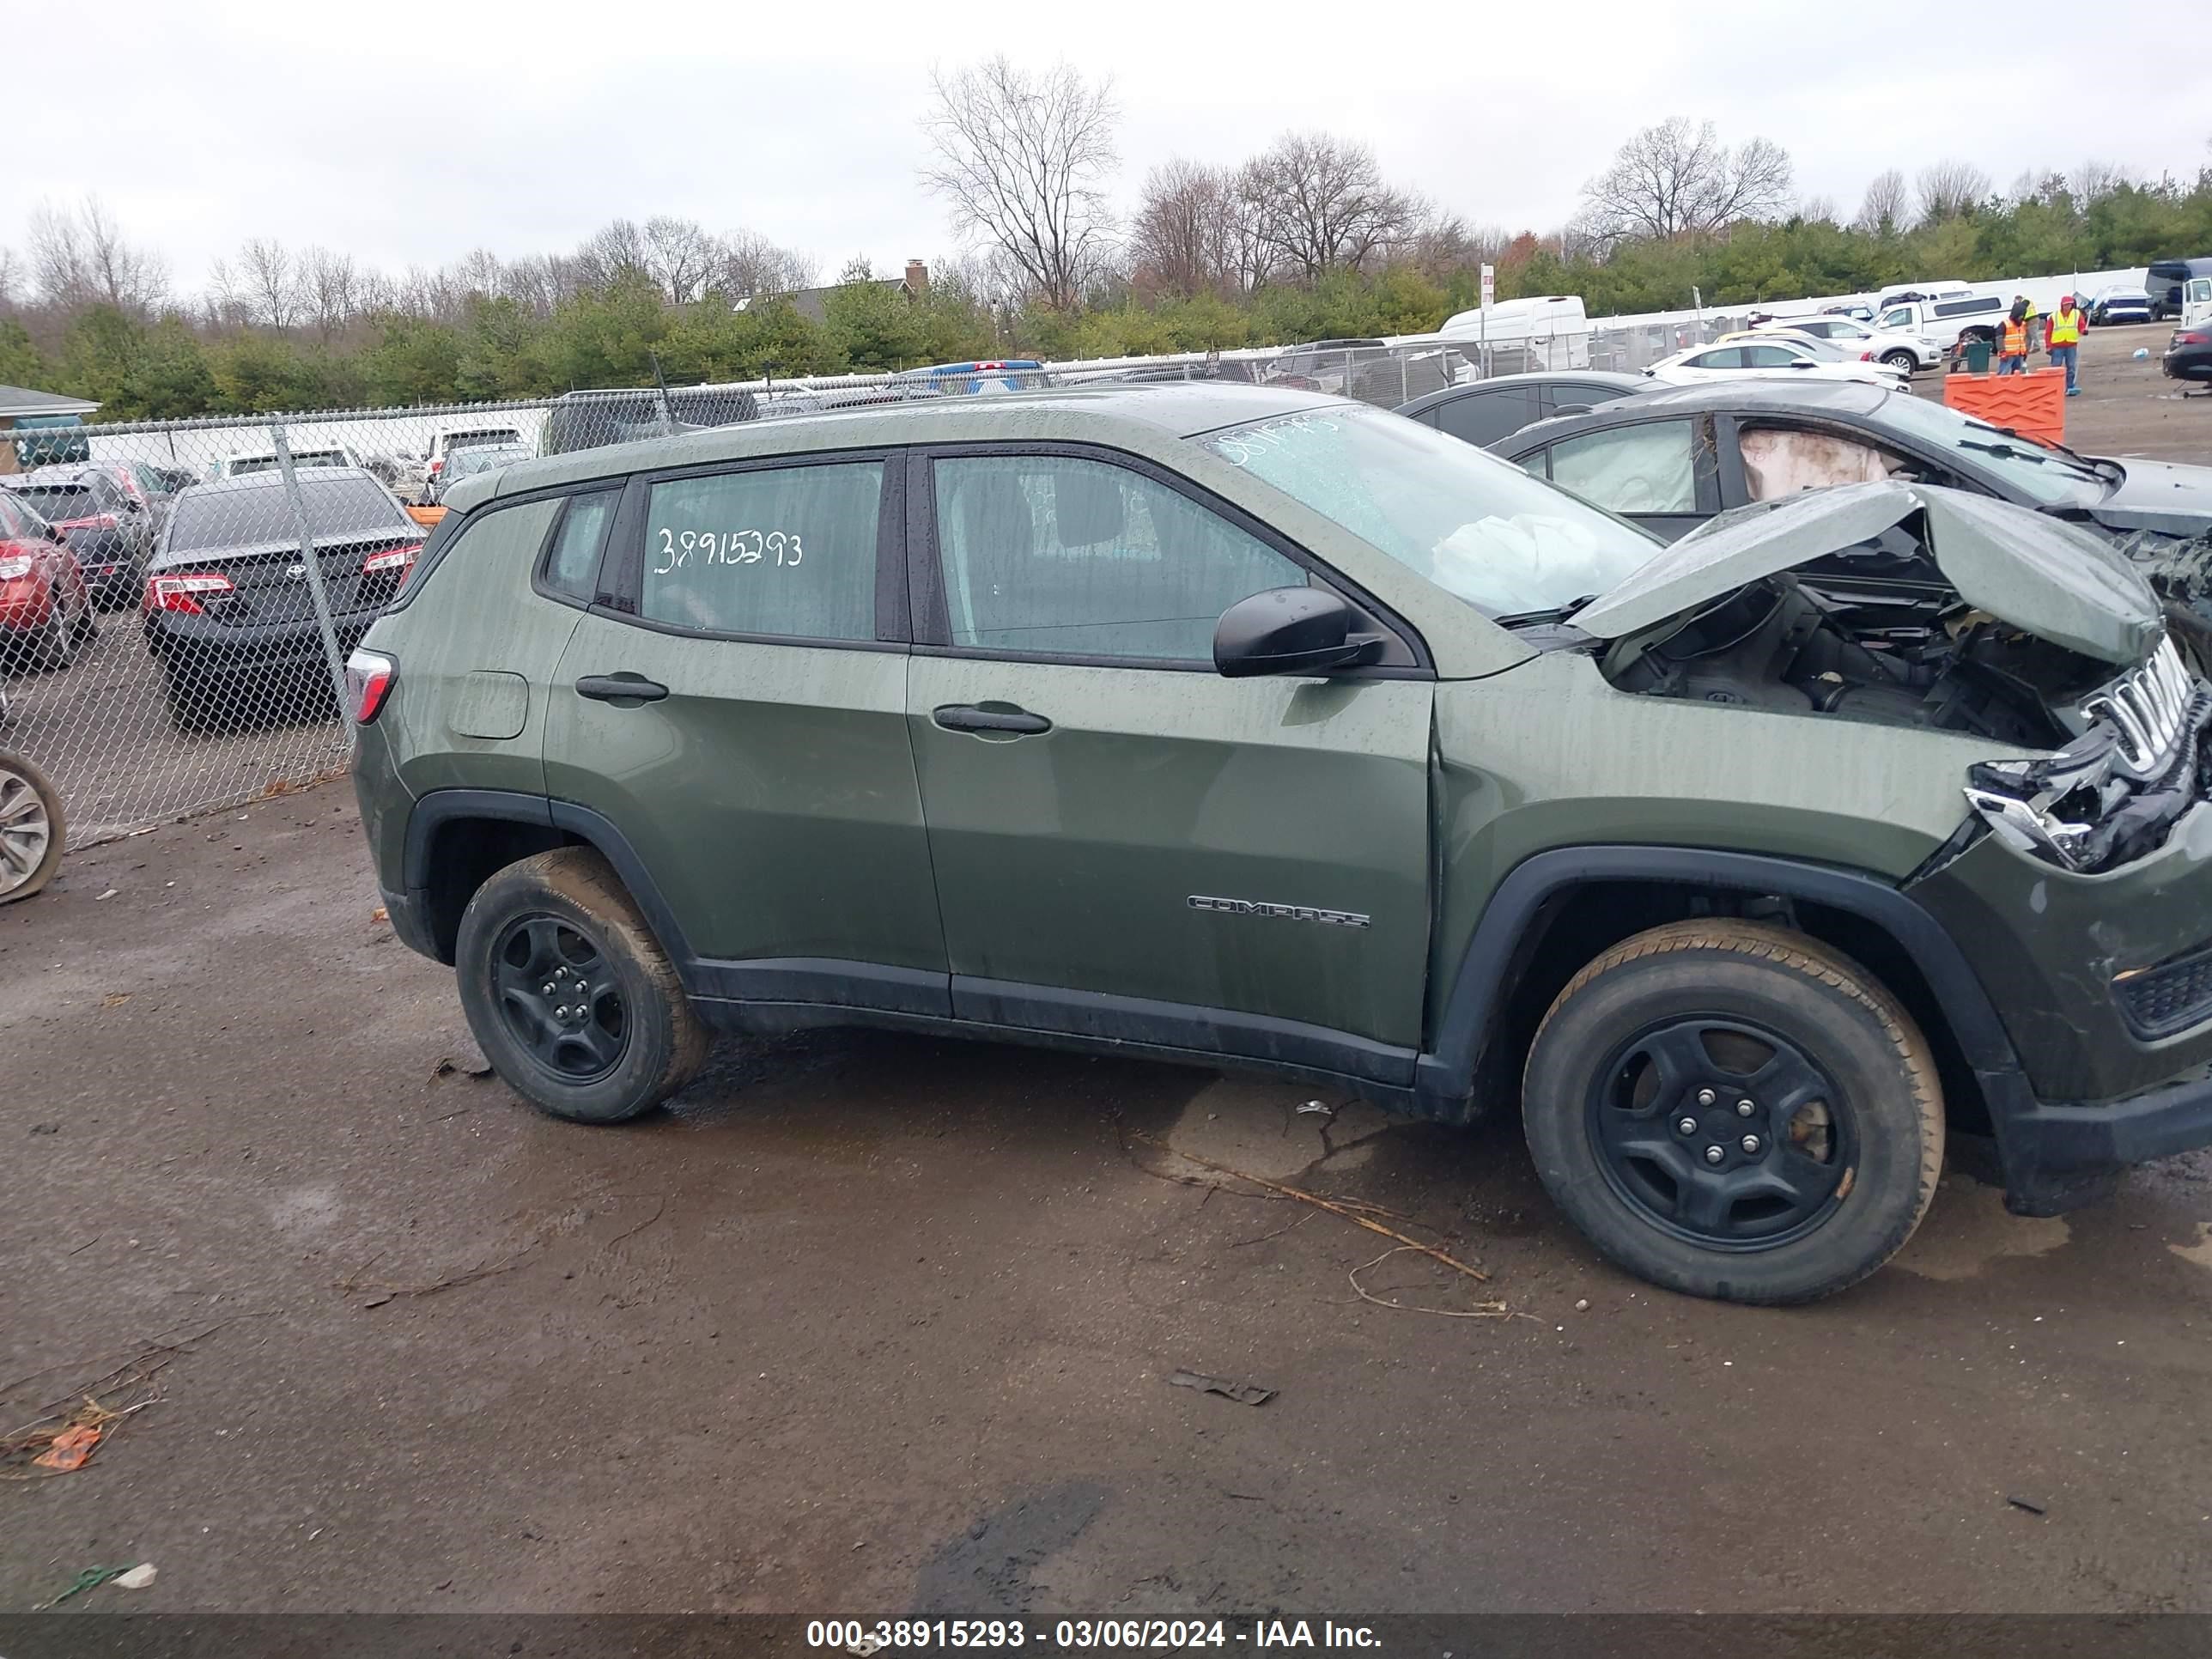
x,y
1290,630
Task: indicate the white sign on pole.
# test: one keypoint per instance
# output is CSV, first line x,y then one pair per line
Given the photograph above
x,y
1489,286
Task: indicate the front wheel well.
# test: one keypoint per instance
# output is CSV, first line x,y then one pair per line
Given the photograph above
x,y
1576,925
464,852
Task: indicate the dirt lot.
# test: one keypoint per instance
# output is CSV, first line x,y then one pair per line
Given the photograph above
x,y
874,1324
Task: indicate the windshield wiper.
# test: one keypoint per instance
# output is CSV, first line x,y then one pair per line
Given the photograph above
x,y
2042,447
1557,613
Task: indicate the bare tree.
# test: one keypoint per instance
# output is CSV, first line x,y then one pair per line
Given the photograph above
x,y
79,257
11,278
616,249
1319,203
1887,207
1674,180
262,286
1949,189
1023,158
746,263
1817,209
330,290
680,255
2093,180
1183,241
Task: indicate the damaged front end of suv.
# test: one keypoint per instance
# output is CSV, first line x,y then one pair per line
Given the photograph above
x,y
1912,605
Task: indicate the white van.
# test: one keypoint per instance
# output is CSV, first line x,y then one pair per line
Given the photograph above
x,y
306,452
2196,302
1946,321
1550,330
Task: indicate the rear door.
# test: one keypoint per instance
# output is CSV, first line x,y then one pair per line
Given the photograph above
x,y
733,703
1127,844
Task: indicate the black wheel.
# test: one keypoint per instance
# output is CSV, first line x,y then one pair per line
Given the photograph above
x,y
31,828
63,632
569,995
1902,359
1734,1110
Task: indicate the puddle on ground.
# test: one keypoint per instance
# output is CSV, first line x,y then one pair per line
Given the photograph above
x,y
1969,1229
2200,1253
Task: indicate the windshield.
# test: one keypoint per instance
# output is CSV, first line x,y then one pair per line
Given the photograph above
x,y
248,518
242,465
1480,528
2046,477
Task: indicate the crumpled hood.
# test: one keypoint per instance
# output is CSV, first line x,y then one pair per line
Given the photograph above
x,y
2160,495
2050,579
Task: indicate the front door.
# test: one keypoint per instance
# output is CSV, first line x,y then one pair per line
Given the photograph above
x,y
1127,844
736,709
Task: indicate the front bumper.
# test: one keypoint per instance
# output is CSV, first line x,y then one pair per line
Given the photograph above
x,y
2053,1157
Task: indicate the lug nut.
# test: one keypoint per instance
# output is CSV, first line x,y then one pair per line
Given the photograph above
x,y
1745,1109
1687,1126
1704,1096
549,990
1751,1145
1714,1154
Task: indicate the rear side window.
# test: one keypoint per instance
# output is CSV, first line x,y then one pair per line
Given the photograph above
x,y
572,563
789,552
1484,417
1965,308
1651,468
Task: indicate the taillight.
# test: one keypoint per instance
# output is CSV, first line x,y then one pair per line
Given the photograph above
x,y
182,594
368,676
2191,337
14,567
437,467
399,560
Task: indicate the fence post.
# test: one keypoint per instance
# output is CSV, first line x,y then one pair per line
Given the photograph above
x,y
312,567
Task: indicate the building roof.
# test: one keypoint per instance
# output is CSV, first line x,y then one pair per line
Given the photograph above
x,y
808,301
17,401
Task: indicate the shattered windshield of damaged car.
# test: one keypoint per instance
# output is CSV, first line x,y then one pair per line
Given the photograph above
x,y
1481,529
2049,477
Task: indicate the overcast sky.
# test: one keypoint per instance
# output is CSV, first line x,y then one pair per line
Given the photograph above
x,y
413,134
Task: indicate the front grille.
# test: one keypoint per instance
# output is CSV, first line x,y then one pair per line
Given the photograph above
x,y
2172,997
2149,707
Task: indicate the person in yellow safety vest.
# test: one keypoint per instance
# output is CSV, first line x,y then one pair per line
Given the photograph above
x,y
2012,341
2064,337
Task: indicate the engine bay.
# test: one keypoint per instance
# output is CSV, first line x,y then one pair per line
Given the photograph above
x,y
1890,647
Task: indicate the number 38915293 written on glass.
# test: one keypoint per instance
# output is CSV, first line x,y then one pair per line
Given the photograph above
x,y
680,547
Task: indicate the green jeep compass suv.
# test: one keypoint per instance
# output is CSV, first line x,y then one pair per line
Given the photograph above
x,y
1253,728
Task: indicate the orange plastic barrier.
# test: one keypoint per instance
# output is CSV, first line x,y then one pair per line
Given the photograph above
x,y
429,517
2033,405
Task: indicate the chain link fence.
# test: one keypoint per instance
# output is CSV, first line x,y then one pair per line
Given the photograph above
x,y
178,600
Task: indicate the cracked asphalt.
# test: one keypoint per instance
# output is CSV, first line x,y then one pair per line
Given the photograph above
x,y
871,1324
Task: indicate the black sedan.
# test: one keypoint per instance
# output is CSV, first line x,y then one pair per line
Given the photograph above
x,y
2189,354
1671,459
1487,412
229,613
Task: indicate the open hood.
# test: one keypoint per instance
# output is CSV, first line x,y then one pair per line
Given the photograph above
x,y
2161,495
2045,577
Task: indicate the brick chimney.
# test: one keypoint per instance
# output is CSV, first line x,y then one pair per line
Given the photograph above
x,y
917,278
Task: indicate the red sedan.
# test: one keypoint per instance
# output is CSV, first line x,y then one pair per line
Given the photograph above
x,y
45,609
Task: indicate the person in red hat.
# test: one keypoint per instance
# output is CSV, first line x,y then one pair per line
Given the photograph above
x,y
2063,337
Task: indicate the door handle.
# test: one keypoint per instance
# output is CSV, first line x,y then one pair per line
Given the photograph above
x,y
620,688
966,717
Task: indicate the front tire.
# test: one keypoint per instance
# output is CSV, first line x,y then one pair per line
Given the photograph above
x,y
1731,1110
1902,360
32,828
569,995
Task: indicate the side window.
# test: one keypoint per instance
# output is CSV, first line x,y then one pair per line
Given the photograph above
x,y
1057,556
1719,358
1770,356
1780,461
1484,417
1538,465
1900,318
1631,468
788,551
572,559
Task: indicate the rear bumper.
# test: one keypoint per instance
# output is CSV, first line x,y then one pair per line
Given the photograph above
x,y
205,649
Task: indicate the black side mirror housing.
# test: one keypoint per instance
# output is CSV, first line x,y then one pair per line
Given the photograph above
x,y
1290,630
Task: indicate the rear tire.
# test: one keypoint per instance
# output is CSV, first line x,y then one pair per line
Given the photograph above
x,y
1731,1110
569,995
62,635
32,828
190,704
